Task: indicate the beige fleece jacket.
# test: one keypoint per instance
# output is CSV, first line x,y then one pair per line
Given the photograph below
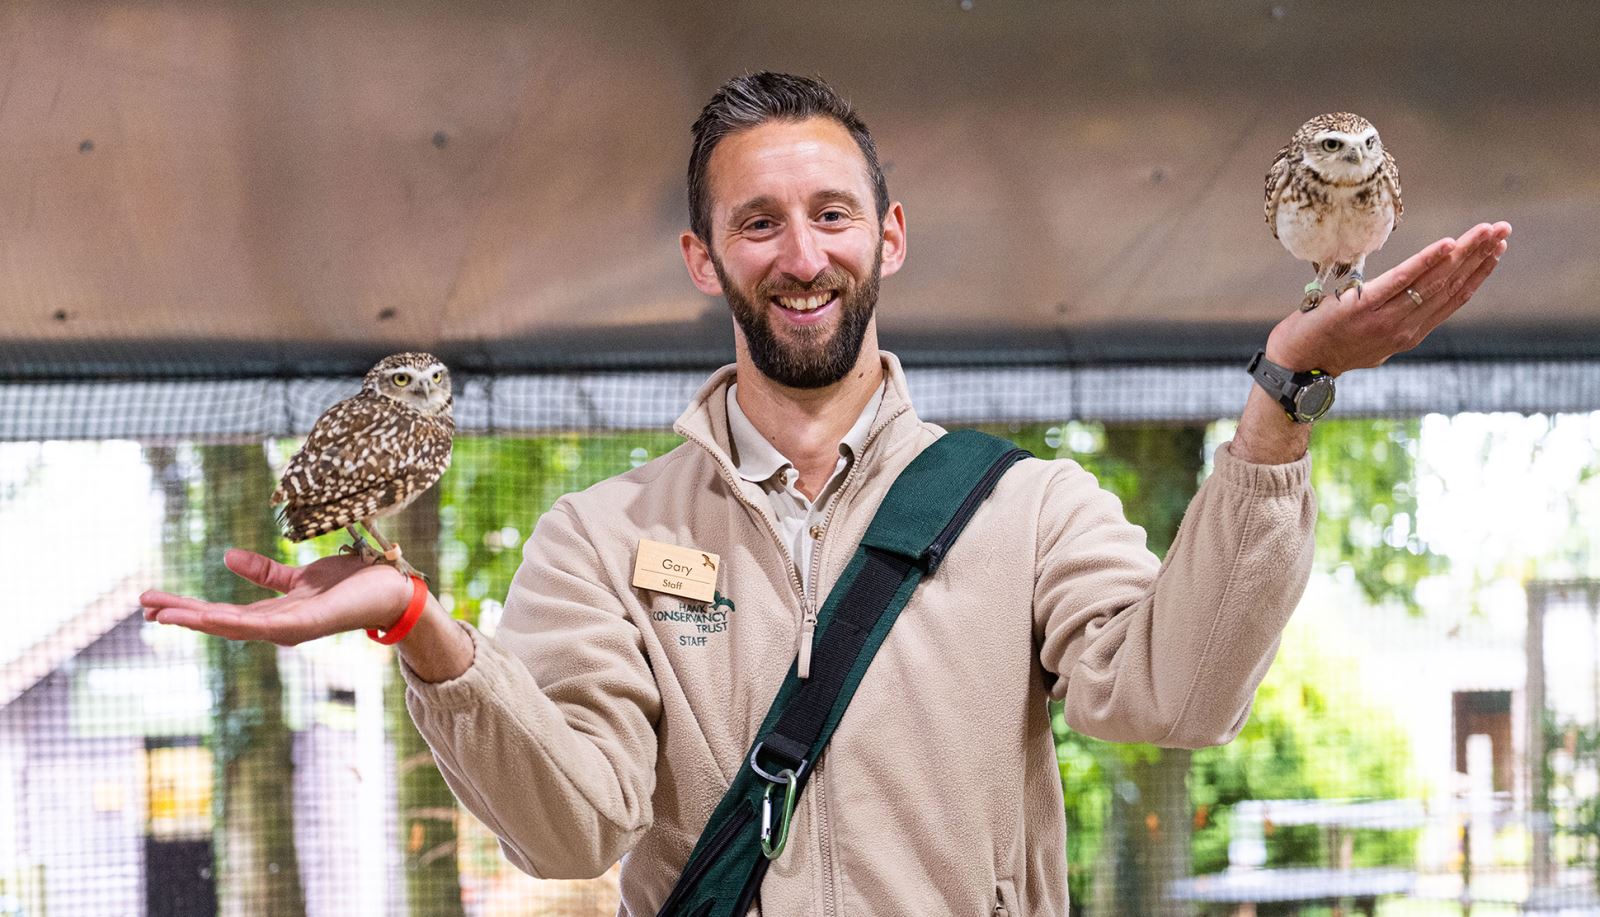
x,y
603,720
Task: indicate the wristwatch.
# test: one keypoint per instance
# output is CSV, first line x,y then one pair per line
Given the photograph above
x,y
1305,396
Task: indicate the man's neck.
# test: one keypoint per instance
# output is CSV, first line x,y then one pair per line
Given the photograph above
x,y
807,424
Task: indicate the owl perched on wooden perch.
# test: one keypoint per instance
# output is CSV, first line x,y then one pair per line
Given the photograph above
x,y
1333,197
370,455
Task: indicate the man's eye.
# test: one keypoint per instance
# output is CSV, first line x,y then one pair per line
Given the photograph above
x,y
833,216
759,225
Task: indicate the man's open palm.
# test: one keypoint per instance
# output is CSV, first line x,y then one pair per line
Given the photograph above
x,y
1366,327
328,596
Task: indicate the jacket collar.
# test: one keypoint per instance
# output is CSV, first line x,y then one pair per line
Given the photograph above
x,y
758,460
705,422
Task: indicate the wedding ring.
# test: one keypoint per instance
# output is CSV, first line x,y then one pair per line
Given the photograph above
x,y
1415,296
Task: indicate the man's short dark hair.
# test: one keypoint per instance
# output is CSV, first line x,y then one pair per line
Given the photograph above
x,y
754,99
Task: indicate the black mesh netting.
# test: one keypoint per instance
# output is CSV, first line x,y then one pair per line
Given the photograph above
x,y
1410,746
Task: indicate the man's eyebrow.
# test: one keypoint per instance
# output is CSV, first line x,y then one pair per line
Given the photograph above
x,y
838,197
768,203
753,206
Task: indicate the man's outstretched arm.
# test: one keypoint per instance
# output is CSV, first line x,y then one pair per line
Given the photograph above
x,y
1172,654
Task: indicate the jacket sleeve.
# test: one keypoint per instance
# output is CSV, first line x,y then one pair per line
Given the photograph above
x,y
549,737
1173,654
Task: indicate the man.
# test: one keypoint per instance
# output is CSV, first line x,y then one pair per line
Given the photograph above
x,y
605,719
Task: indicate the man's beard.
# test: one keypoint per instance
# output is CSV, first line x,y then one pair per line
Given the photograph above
x,y
813,359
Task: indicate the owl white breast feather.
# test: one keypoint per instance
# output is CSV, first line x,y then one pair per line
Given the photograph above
x,y
1333,197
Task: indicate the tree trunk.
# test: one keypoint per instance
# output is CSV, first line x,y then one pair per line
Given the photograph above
x,y
427,807
1151,820
258,874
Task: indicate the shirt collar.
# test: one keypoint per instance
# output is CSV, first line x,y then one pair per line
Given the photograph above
x,y
758,460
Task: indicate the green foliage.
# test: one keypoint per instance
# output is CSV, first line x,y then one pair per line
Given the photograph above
x,y
1364,473
1311,735
498,487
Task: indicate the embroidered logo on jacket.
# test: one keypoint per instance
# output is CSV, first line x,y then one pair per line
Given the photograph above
x,y
700,620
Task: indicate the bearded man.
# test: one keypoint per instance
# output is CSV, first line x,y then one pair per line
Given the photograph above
x,y
606,719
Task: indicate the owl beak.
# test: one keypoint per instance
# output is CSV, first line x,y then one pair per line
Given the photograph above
x,y
1354,156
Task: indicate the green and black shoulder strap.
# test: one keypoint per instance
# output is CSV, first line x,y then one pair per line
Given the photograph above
x,y
915,526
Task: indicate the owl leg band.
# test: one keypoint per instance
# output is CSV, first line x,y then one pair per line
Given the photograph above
x,y
359,546
1353,282
1313,295
391,553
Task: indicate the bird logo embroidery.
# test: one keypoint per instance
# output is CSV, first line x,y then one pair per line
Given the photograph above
x,y
371,455
708,563
1333,197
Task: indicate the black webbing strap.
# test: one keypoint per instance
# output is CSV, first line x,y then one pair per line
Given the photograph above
x,y
919,519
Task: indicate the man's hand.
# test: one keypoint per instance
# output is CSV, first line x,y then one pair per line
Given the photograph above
x,y
1366,327
329,596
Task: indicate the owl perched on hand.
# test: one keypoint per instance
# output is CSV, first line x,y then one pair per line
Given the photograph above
x,y
1333,197
371,454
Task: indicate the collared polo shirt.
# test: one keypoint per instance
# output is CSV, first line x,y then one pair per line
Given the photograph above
x,y
799,520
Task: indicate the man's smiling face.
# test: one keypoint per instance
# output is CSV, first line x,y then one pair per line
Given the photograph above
x,y
797,247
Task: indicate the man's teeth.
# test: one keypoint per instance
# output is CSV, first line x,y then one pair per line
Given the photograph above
x,y
805,303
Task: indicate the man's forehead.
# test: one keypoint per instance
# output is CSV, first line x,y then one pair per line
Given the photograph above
x,y
811,157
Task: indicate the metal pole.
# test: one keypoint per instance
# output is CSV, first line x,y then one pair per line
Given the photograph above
x,y
1538,815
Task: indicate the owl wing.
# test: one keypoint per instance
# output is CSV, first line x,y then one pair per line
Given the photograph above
x,y
1391,178
360,458
1277,179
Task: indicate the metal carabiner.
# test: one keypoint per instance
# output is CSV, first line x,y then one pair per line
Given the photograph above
x,y
791,783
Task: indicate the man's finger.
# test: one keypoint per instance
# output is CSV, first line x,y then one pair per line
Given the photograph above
x,y
1440,280
227,621
156,600
259,569
1448,299
1459,299
1393,282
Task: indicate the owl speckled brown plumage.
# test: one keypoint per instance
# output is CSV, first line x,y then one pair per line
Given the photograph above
x,y
371,454
1333,197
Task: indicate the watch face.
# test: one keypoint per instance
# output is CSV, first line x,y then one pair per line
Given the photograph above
x,y
1314,400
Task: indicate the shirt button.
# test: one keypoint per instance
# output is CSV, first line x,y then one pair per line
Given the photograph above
x,y
816,531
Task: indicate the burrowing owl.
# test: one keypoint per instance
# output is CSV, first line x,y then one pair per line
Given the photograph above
x,y
1333,197
371,454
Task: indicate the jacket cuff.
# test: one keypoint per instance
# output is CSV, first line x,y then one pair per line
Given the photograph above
x,y
462,691
1265,480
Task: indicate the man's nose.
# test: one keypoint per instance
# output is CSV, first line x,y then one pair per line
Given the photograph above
x,y
800,256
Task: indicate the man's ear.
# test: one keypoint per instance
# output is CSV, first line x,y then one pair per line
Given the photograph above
x,y
894,239
698,259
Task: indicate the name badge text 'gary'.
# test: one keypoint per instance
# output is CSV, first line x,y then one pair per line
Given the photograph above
x,y
689,572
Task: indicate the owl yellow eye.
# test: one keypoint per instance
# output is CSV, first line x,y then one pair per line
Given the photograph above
x,y
438,376
401,379
1371,141
1331,145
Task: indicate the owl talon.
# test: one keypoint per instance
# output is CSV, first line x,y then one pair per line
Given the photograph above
x,y
362,549
1352,283
395,558
1313,298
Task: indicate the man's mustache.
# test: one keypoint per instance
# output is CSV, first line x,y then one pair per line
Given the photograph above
x,y
827,280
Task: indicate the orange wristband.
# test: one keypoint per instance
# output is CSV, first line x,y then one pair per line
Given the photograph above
x,y
398,630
